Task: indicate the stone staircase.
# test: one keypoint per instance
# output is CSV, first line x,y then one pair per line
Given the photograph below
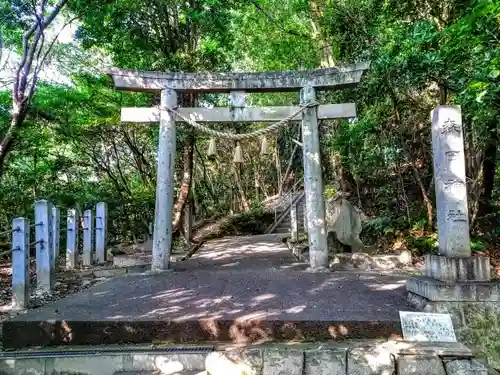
x,y
283,220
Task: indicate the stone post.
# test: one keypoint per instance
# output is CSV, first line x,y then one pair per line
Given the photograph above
x,y
72,239
313,184
454,262
20,263
188,221
294,223
237,103
87,237
454,281
44,249
56,235
450,185
101,232
162,236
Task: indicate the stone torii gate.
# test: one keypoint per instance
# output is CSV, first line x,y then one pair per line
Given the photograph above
x,y
236,84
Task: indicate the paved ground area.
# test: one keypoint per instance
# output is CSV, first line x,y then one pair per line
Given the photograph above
x,y
247,288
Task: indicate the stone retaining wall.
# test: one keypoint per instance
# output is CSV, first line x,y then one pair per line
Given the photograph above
x,y
389,358
363,358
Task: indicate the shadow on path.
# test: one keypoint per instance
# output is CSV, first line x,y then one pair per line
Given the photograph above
x,y
244,289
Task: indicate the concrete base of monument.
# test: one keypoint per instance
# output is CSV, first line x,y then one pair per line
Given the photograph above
x,y
465,291
453,269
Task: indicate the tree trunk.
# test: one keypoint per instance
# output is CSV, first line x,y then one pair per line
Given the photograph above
x,y
186,100
341,175
326,53
425,196
489,170
18,116
28,68
241,189
187,175
416,173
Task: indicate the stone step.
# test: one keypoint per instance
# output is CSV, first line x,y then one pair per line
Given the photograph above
x,y
281,231
89,362
160,373
339,358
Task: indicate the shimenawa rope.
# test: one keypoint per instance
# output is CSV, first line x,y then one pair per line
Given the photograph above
x,y
238,137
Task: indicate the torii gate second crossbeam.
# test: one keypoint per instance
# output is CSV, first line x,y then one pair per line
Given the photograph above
x,y
237,84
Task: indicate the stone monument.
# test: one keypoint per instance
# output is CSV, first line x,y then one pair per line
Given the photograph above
x,y
455,281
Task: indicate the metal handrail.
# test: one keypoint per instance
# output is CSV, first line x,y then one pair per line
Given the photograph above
x,y
284,213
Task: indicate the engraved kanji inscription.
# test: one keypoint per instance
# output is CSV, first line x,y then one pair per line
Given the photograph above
x,y
451,126
456,215
452,155
427,327
453,183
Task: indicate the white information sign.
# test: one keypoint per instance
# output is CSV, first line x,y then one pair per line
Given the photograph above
x,y
420,326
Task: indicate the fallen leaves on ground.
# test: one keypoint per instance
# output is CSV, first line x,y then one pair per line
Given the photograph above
x,y
66,283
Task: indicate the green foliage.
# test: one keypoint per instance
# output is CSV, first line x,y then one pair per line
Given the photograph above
x,y
160,35
481,332
329,192
379,226
426,244
255,221
477,245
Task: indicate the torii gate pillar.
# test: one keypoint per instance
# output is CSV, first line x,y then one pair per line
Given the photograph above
x,y
162,235
313,184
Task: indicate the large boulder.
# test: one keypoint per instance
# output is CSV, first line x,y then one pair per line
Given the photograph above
x,y
343,224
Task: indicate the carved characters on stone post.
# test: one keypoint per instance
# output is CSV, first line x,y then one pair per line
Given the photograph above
x,y
449,175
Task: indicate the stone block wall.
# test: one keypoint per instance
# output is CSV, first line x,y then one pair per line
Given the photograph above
x,y
385,358
344,358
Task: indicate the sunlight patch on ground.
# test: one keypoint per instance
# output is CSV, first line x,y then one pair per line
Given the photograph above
x,y
296,309
264,297
381,287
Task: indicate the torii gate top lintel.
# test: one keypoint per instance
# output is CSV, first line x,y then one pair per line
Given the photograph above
x,y
338,77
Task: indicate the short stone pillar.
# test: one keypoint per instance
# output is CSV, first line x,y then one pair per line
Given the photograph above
x,y
20,263
56,236
453,279
44,247
72,239
101,232
88,226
